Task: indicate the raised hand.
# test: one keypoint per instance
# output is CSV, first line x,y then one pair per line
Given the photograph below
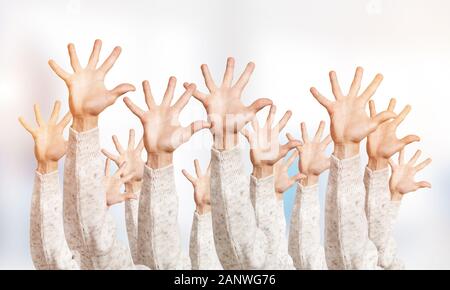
x,y
226,112
113,184
265,148
281,174
88,96
313,160
201,186
132,156
350,123
162,130
402,178
383,142
49,143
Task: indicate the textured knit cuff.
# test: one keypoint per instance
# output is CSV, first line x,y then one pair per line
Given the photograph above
x,y
264,187
307,190
345,170
85,144
229,160
161,179
48,183
377,178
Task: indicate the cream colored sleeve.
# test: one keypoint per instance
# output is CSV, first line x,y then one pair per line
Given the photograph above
x,y
347,243
93,226
49,249
305,246
381,215
270,222
159,241
201,246
240,244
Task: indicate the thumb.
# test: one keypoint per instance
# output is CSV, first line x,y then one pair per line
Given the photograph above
x,y
423,184
121,89
381,118
257,105
409,139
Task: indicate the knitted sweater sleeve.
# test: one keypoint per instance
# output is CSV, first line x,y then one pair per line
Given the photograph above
x,y
202,250
159,241
381,214
305,247
269,221
240,244
49,249
131,221
84,181
347,243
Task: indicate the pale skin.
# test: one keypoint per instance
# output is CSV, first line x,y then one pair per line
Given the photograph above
x,y
282,179
113,184
163,133
132,156
402,179
88,96
226,112
383,143
350,123
265,148
202,188
49,143
313,161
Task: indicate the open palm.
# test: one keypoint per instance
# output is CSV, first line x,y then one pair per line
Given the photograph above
x,y
163,132
48,136
349,120
226,112
88,95
403,175
383,142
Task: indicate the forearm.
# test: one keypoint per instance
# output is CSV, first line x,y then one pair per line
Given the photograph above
x,y
49,248
305,247
202,250
239,242
159,243
347,245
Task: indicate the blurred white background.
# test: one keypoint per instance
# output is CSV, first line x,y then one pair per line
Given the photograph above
x,y
293,43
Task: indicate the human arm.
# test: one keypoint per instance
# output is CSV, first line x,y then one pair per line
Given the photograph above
x,y
49,249
347,245
239,242
305,245
159,242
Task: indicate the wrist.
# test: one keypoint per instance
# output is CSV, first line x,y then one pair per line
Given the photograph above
x,y
396,196
375,163
262,171
133,186
82,124
310,179
225,141
159,160
346,150
203,209
45,167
